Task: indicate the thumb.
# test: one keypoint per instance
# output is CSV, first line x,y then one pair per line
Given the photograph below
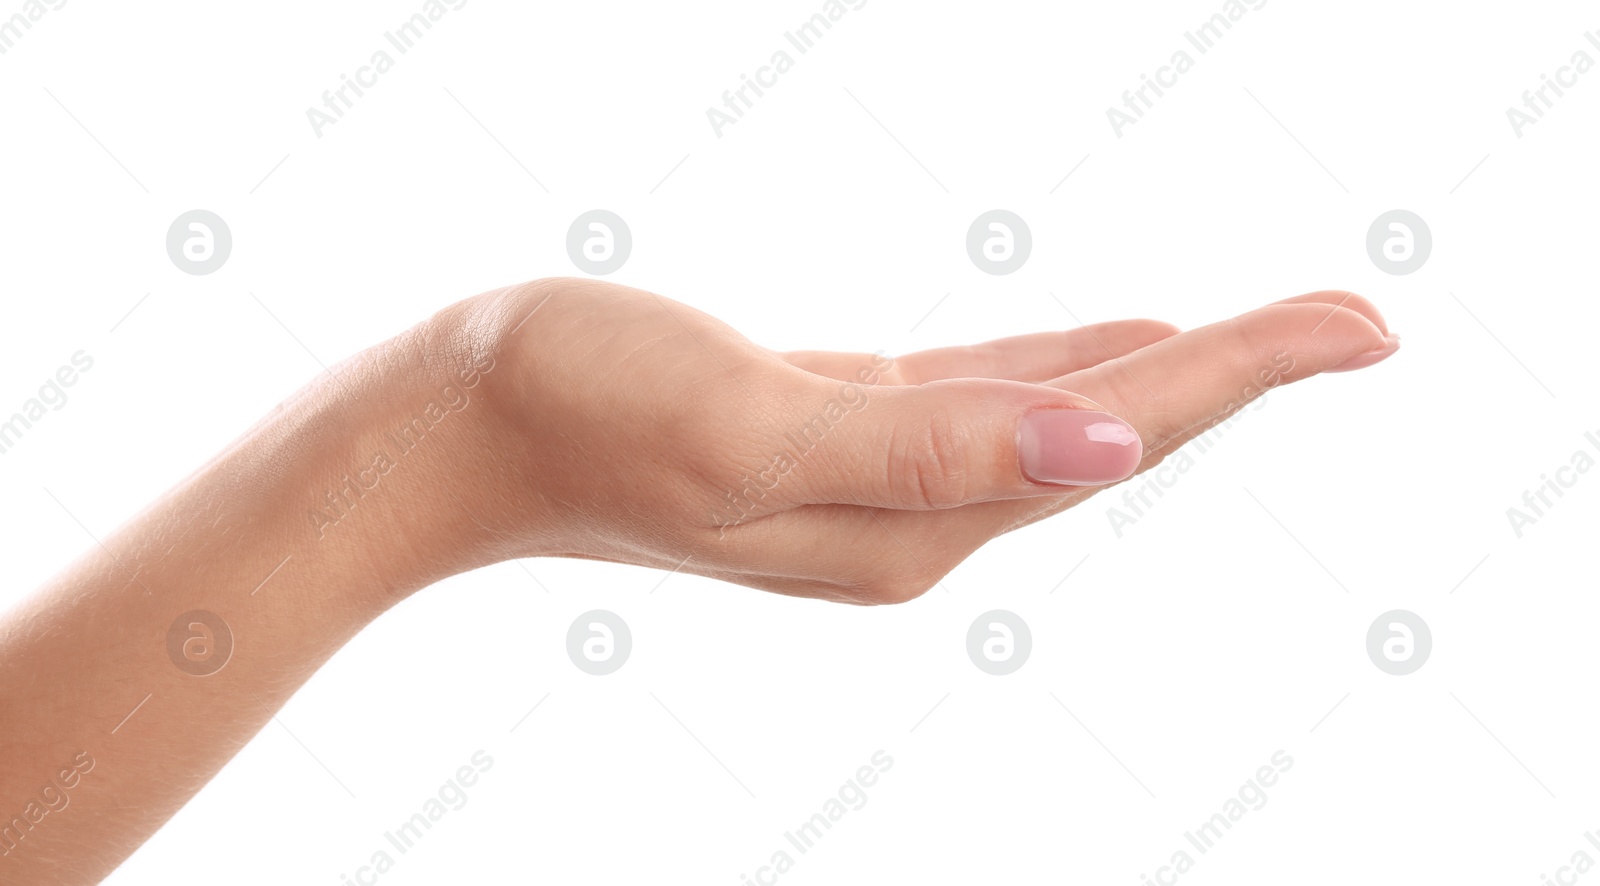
x,y
949,443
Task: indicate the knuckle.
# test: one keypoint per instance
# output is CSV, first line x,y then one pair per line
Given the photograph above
x,y
928,463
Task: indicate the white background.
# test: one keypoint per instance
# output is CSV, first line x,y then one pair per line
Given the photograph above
x,y
1190,649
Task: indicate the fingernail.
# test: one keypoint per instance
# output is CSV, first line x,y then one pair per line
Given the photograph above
x,y
1376,355
1077,447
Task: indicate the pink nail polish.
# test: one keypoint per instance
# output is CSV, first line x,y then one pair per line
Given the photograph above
x,y
1077,447
1376,355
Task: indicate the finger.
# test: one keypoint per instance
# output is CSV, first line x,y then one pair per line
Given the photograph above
x,y
1171,392
950,443
1180,388
1032,358
1036,357
1338,298
1183,385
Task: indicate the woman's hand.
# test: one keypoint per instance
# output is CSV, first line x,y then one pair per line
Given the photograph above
x,y
624,426
572,418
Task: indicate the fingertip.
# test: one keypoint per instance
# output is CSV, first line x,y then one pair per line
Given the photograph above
x,y
1319,336
1160,329
1345,299
1368,358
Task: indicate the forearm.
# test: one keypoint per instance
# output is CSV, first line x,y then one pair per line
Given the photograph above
x,y
312,524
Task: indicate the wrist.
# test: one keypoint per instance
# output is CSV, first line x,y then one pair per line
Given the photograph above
x,y
383,469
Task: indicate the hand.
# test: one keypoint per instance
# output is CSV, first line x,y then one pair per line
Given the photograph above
x,y
575,418
631,428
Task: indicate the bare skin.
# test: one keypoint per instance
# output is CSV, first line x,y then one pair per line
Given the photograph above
x,y
558,418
